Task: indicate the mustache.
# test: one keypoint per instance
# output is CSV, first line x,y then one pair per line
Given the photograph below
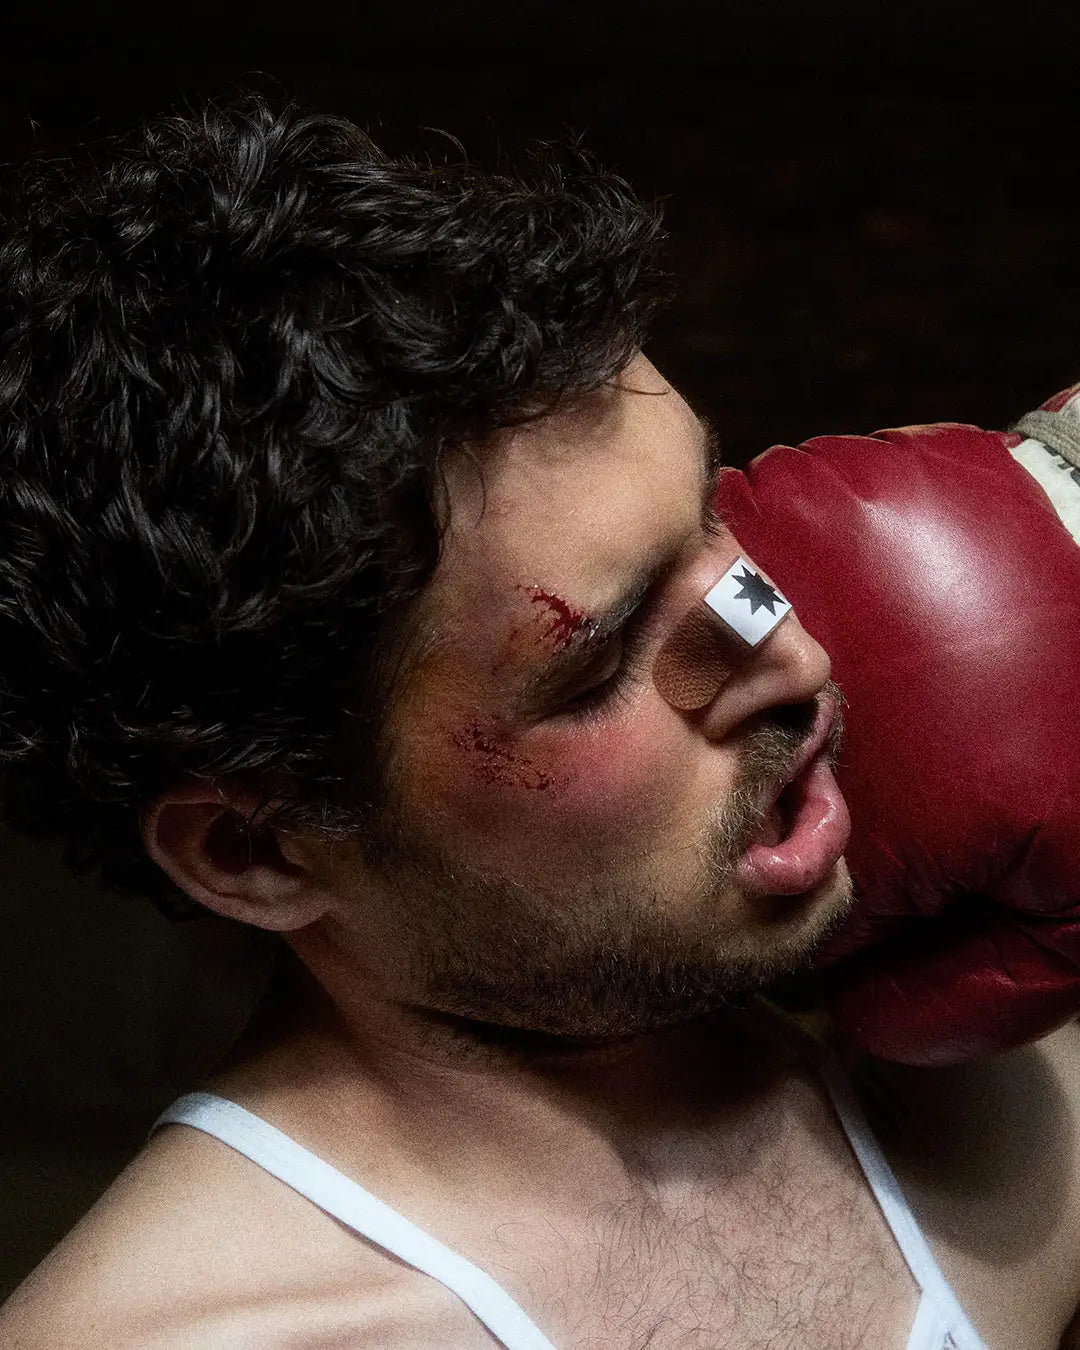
x,y
768,751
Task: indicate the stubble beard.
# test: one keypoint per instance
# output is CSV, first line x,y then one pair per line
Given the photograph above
x,y
603,958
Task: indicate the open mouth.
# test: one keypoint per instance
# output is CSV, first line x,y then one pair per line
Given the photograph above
x,y
778,823
803,837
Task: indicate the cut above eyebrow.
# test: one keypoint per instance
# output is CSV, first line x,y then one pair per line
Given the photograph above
x,y
577,657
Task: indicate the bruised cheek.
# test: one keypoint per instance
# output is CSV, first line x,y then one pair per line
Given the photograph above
x,y
582,780
559,779
629,771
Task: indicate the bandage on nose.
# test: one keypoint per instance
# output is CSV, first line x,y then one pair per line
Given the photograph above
x,y
736,614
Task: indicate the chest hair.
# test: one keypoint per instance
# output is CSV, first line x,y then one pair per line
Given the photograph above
x,y
783,1256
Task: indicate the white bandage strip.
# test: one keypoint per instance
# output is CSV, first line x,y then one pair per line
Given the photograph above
x,y
747,603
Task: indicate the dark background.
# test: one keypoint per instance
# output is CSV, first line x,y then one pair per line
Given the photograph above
x,y
872,210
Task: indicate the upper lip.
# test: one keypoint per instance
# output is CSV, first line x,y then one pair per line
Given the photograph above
x,y
828,709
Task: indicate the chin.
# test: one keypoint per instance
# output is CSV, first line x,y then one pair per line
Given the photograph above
x,y
801,923
780,934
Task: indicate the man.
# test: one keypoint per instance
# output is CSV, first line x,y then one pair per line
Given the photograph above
x,y
375,508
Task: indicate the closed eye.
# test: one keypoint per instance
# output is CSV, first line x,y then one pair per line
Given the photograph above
x,y
617,678
713,523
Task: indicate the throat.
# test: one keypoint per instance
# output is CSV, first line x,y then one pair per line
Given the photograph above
x,y
464,1039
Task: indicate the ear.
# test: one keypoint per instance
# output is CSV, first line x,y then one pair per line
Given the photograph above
x,y
197,834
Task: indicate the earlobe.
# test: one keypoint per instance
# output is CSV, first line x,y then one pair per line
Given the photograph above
x,y
202,843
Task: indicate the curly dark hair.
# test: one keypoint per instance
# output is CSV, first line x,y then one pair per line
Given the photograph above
x,y
233,345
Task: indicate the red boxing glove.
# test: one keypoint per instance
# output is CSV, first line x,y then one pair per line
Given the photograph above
x,y
944,582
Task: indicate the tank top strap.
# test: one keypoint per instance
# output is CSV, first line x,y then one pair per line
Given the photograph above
x,y
358,1209
941,1321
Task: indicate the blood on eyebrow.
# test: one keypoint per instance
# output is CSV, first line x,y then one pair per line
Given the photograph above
x,y
562,621
572,637
579,645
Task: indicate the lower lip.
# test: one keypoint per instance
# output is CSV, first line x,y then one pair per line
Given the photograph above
x,y
816,842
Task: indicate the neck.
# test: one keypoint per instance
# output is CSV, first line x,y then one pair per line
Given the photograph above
x,y
430,1076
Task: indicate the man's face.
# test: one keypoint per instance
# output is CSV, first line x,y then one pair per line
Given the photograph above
x,y
564,843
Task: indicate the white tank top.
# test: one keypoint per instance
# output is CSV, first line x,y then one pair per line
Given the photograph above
x,y
940,1322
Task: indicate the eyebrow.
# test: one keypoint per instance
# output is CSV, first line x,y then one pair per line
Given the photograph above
x,y
576,658
713,456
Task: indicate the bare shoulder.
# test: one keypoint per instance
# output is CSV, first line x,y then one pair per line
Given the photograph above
x,y
989,1157
193,1246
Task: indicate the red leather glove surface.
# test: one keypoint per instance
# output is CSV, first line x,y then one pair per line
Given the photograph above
x,y
934,570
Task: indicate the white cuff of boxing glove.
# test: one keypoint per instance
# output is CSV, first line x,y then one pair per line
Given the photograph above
x,y
1048,458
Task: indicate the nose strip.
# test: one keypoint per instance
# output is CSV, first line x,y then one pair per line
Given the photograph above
x,y
693,663
737,613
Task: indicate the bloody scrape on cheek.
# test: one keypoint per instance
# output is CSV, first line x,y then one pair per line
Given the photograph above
x,y
493,755
556,777
493,750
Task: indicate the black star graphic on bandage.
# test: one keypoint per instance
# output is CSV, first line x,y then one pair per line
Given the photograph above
x,y
758,591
